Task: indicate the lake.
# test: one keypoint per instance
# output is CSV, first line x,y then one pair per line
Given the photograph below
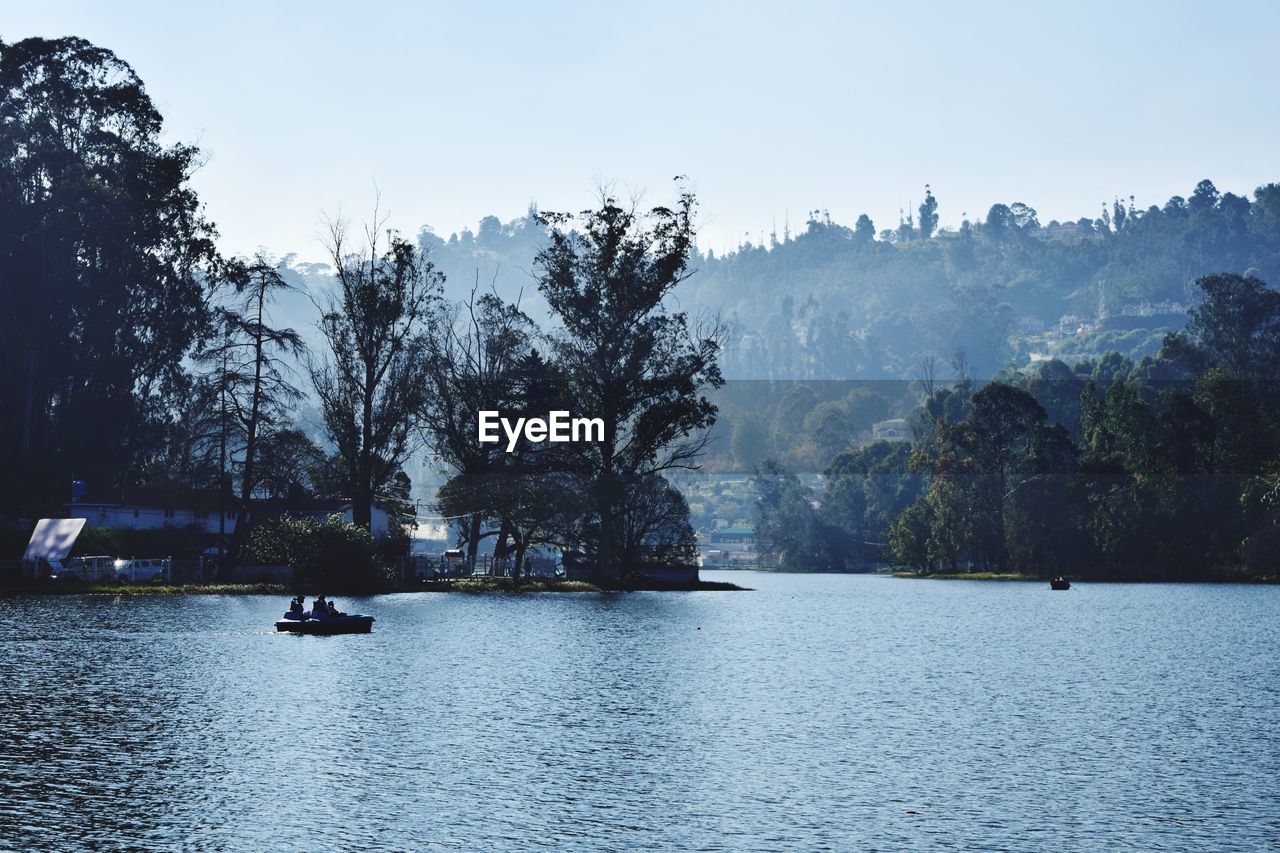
x,y
815,712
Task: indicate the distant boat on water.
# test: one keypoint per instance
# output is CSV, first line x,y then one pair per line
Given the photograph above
x,y
1060,582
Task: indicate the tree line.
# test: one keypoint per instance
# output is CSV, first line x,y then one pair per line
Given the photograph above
x,y
839,302
1168,468
132,352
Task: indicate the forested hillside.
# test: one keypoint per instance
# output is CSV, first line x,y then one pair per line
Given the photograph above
x,y
840,302
845,303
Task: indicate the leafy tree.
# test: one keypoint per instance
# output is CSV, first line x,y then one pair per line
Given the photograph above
x,y
291,465
655,523
751,442
626,359
103,251
1205,197
864,230
999,221
481,358
928,214
1024,216
788,528
866,490
1237,326
829,429
329,555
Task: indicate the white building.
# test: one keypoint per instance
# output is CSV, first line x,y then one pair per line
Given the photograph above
x,y
143,508
894,429
148,508
729,548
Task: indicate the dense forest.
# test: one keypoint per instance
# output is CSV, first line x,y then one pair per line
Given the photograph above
x,y
1168,468
844,303
841,303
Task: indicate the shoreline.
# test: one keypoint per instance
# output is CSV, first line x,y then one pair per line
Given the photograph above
x,y
971,576
1022,577
472,586
1015,577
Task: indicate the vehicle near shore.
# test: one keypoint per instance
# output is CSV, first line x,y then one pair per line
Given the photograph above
x,y
97,568
142,570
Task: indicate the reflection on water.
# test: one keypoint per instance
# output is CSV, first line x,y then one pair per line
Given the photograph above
x,y
824,711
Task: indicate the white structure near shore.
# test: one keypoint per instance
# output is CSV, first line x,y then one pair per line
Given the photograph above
x,y
142,508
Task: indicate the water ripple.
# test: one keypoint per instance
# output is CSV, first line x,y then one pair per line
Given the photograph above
x,y
817,713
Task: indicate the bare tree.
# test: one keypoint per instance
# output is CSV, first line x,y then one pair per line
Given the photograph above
x,y
372,379
251,374
926,372
960,364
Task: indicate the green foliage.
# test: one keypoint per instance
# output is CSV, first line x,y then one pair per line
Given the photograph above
x,y
331,555
789,529
1163,470
866,490
126,542
372,376
832,303
928,214
751,442
103,251
625,357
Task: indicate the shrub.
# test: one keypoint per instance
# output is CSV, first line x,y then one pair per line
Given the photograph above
x,y
167,541
394,545
330,554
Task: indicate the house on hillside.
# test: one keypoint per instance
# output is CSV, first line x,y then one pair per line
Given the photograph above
x,y
894,429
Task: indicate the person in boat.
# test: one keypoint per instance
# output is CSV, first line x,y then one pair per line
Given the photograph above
x,y
295,606
333,609
320,609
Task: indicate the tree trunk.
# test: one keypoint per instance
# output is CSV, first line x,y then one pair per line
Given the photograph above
x,y
606,572
473,541
362,502
518,569
247,483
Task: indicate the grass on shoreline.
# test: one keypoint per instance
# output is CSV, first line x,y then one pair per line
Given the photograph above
x,y
1014,576
467,585
113,588
488,584
970,576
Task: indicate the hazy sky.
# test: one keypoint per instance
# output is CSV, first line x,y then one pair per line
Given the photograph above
x,y
462,109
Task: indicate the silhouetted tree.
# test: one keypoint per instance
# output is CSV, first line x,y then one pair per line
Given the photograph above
x,y
372,379
103,251
625,357
251,363
928,214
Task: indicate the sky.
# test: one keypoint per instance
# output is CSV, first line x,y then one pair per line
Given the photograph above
x,y
450,112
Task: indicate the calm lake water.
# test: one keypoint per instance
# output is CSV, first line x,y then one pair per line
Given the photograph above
x,y
815,712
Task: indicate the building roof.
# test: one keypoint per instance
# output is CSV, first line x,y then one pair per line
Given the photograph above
x,y
181,498
157,497
733,533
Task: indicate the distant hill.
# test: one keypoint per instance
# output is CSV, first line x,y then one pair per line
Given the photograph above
x,y
835,302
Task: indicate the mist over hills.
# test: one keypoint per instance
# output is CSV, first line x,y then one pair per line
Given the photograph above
x,y
839,302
